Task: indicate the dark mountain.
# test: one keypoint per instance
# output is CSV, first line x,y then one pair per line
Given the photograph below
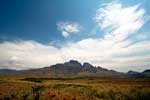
x,y
144,74
74,68
146,71
7,71
89,68
70,68
134,74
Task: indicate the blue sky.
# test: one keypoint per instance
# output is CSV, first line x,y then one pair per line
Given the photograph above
x,y
31,19
108,33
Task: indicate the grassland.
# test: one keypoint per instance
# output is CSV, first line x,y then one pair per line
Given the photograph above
x,y
80,88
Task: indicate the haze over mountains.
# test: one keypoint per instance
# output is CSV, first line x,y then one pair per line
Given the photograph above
x,y
74,68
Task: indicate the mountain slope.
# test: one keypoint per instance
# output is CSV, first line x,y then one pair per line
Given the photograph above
x,y
74,68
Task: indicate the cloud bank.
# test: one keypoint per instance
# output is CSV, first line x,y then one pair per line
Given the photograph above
x,y
115,50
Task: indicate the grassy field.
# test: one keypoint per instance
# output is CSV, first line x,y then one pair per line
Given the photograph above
x,y
79,88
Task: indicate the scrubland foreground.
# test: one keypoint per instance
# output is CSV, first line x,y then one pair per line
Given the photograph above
x,y
80,88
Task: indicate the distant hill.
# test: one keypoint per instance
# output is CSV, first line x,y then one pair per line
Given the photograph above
x,y
133,74
7,71
146,73
74,68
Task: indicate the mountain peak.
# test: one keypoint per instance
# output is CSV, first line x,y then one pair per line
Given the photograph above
x,y
73,61
87,64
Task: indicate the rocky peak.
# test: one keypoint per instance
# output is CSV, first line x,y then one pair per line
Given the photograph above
x,y
73,63
89,68
87,65
74,67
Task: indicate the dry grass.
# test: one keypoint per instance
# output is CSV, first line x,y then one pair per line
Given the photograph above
x,y
75,89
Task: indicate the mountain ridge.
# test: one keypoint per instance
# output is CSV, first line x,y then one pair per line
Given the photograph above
x,y
73,68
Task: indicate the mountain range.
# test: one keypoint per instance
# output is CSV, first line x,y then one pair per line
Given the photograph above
x,y
74,68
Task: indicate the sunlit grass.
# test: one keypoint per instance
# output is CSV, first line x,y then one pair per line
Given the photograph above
x,y
75,89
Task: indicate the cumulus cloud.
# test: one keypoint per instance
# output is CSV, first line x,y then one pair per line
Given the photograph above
x,y
27,54
114,51
68,28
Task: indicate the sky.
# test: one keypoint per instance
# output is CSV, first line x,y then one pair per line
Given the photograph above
x,y
113,34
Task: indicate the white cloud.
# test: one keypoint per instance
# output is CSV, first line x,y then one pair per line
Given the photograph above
x,y
27,54
115,50
120,21
30,54
68,28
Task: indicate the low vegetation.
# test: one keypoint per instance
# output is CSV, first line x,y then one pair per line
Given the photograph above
x,y
75,89
39,80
